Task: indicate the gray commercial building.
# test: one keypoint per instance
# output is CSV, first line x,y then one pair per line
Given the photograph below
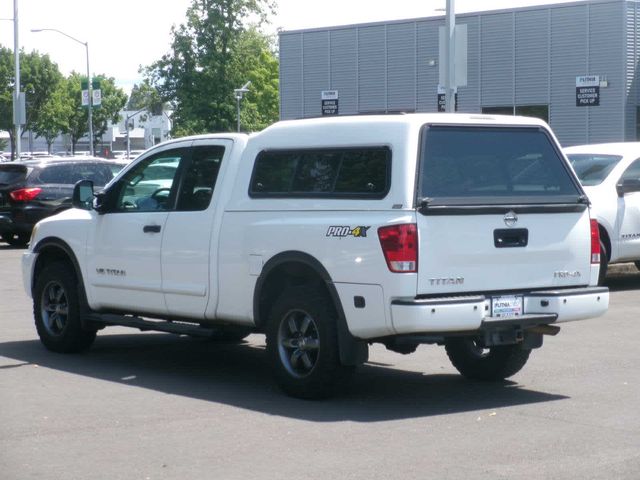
x,y
572,64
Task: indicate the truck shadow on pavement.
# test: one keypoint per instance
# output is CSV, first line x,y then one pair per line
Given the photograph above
x,y
239,375
623,282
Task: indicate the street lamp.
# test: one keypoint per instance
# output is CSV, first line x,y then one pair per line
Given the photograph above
x,y
239,93
86,46
126,128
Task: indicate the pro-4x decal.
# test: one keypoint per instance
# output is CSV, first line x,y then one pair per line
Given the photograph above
x,y
345,231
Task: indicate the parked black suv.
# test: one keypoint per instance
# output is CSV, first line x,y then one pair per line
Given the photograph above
x,y
34,189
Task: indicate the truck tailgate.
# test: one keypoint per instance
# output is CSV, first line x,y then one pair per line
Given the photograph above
x,y
474,253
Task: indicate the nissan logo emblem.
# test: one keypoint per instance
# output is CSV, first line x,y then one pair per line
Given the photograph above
x,y
510,218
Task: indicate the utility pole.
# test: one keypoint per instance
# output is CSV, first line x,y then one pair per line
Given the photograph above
x,y
90,105
17,110
450,49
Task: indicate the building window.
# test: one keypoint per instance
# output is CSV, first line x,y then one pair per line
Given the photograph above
x,y
536,111
506,110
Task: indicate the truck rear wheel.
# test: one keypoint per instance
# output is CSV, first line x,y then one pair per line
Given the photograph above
x,y
604,263
475,362
57,310
302,344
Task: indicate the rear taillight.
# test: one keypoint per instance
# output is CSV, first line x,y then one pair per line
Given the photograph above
x,y
400,247
25,194
595,242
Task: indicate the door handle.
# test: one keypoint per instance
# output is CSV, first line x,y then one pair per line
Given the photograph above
x,y
511,237
151,229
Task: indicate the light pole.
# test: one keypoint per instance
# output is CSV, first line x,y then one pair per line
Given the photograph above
x,y
450,49
239,93
17,104
90,109
126,129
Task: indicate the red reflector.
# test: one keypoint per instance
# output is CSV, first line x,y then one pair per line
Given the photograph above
x,y
595,242
400,247
25,194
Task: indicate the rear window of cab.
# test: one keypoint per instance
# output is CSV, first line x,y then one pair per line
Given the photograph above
x,y
493,165
359,172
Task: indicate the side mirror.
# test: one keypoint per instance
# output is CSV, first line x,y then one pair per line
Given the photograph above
x,y
99,202
83,195
628,185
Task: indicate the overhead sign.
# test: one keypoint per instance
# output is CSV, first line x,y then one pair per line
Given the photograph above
x,y
588,91
442,105
329,100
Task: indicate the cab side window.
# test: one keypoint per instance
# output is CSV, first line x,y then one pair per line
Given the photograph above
x,y
199,178
632,171
152,184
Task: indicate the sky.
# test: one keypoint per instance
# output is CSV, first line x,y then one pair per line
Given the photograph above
x,y
125,34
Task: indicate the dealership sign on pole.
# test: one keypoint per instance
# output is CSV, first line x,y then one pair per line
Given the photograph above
x,y
442,99
96,93
329,102
588,91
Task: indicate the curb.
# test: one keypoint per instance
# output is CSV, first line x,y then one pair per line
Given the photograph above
x,y
622,268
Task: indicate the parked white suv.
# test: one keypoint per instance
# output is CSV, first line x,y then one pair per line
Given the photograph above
x,y
467,231
610,175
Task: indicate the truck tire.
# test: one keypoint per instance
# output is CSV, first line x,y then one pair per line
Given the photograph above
x,y
478,363
57,310
604,264
302,345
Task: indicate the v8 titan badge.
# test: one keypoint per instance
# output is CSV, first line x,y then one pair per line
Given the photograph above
x,y
345,231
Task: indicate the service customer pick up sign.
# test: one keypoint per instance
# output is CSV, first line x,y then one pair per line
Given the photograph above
x,y
588,91
329,102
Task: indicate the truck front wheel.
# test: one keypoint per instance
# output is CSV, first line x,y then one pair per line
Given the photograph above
x,y
302,344
475,362
57,310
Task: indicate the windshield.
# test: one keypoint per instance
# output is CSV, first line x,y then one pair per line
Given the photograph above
x,y
492,165
593,168
10,174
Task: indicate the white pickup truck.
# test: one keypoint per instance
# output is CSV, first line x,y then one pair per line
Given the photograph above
x,y
467,231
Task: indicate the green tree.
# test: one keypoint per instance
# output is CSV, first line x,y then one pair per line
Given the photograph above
x,y
113,100
201,71
39,78
54,115
144,96
255,60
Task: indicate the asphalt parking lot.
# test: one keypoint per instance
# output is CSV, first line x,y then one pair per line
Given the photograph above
x,y
157,406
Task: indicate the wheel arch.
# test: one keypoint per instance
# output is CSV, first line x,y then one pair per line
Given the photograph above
x,y
606,239
53,249
298,268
